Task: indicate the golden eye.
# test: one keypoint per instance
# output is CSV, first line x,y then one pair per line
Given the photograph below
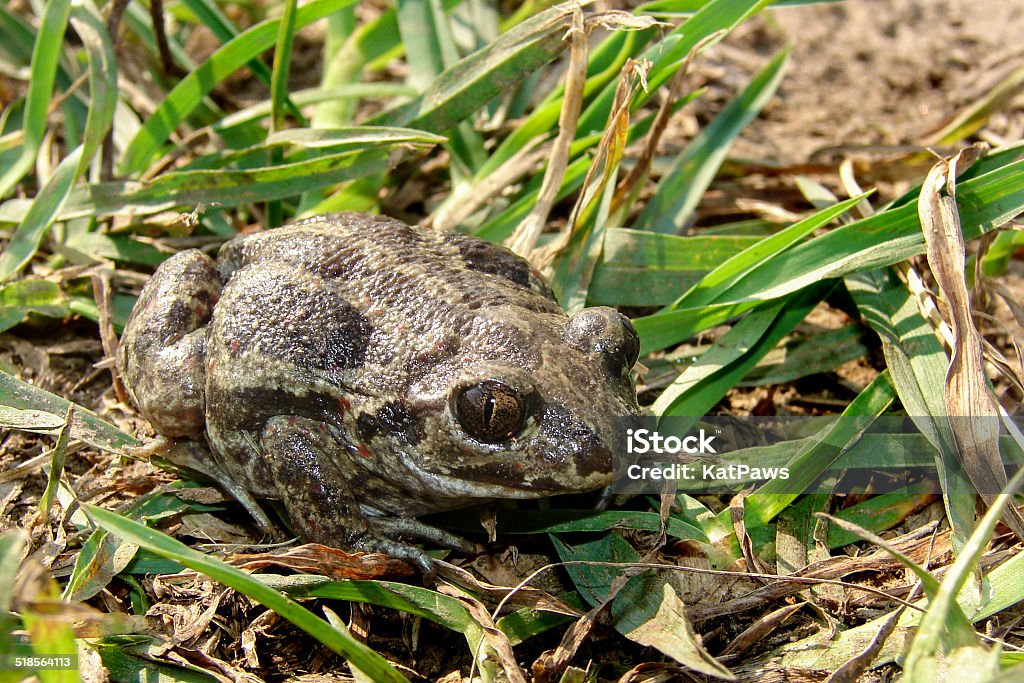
x,y
490,411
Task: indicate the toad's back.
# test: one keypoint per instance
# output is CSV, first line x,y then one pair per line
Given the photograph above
x,y
355,367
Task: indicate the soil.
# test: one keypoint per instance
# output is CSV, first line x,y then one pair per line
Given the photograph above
x,y
879,73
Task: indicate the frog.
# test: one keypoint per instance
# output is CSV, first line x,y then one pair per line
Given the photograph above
x,y
364,372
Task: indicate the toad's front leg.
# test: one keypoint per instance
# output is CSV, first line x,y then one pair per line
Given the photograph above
x,y
304,459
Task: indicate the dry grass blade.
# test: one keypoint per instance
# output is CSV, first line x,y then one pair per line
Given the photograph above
x,y
552,663
516,597
633,182
613,141
525,236
759,630
972,410
492,635
855,667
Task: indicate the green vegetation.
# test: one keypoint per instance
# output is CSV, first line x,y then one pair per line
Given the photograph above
x,y
102,178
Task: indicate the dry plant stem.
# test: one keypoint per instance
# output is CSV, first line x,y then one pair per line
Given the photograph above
x,y
525,237
643,162
156,14
102,294
606,159
759,630
634,74
117,8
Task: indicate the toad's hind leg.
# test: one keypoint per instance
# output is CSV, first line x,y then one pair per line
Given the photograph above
x,y
303,458
163,349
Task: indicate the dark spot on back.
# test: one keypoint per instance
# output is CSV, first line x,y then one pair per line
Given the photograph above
x,y
313,329
485,257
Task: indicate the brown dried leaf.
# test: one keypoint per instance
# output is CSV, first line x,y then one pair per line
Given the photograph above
x,y
670,631
313,558
973,412
552,663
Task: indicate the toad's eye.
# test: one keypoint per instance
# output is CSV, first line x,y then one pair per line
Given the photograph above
x,y
491,411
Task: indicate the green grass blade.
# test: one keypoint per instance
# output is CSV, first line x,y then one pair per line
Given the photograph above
x,y
918,365
282,67
604,63
986,202
86,426
940,619
997,258
712,287
88,23
680,190
475,80
594,582
694,311
501,226
222,27
569,521
816,456
279,96
341,68
423,602
187,95
102,102
354,137
12,542
44,209
811,355
429,50
19,36
667,56
640,268
224,188
45,55
356,652
705,382
20,298
260,110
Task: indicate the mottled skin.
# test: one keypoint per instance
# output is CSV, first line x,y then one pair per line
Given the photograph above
x,y
365,372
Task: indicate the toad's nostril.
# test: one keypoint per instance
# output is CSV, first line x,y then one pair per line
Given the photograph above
x,y
606,333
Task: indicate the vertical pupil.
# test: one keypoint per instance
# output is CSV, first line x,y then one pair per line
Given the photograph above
x,y
489,404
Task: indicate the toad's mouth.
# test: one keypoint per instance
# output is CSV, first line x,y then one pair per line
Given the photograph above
x,y
513,480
